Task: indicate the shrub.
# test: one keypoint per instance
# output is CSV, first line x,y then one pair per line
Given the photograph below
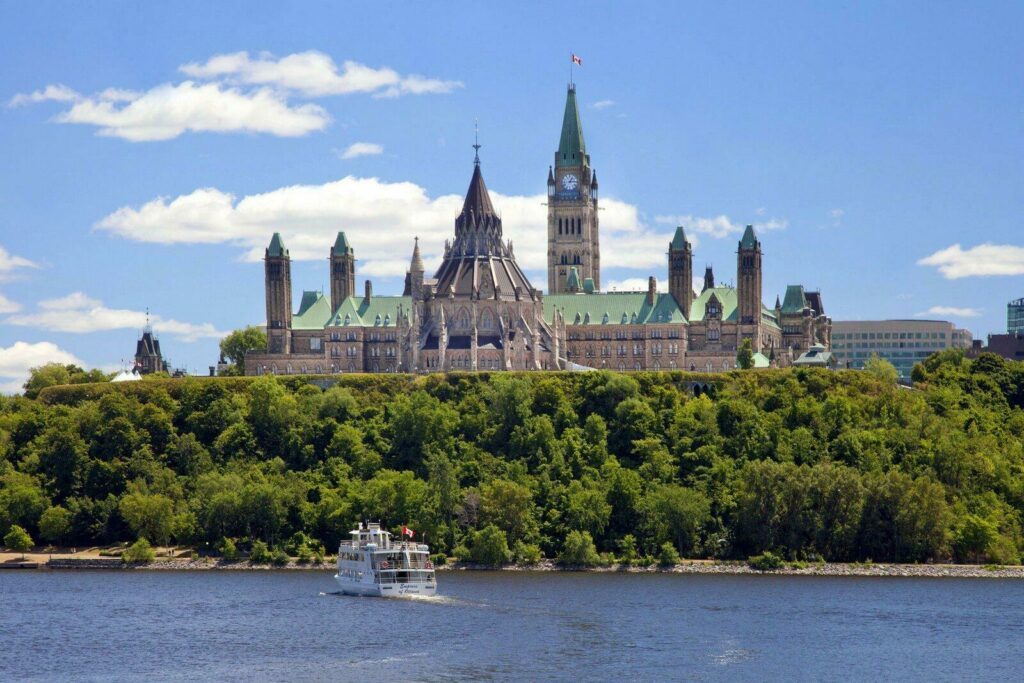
x,y
279,558
228,550
318,558
259,553
140,551
627,550
766,561
461,553
18,540
304,555
439,559
668,556
579,550
526,553
490,546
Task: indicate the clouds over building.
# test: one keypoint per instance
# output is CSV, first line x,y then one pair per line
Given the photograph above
x,y
981,261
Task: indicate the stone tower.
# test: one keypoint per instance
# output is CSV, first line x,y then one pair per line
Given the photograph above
x,y
278,269
572,206
414,276
680,271
343,271
748,284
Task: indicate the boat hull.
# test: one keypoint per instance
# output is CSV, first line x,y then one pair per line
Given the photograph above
x,y
388,590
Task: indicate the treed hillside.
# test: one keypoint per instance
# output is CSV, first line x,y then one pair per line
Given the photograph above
x,y
809,464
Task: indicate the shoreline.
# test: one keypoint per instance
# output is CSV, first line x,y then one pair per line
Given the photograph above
x,y
695,567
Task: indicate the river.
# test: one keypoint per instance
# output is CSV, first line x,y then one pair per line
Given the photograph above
x,y
291,625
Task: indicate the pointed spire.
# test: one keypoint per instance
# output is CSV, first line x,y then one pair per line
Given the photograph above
x,y
749,240
277,247
679,240
709,279
571,148
572,283
341,245
551,177
778,305
478,200
417,262
476,143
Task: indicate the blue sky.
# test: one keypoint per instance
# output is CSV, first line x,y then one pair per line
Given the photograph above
x,y
151,150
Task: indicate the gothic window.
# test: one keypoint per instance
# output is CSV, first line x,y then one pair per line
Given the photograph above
x,y
657,365
559,226
319,370
636,349
565,259
486,320
288,370
714,334
622,367
576,259
314,343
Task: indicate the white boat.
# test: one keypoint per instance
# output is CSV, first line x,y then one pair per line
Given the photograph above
x,y
372,564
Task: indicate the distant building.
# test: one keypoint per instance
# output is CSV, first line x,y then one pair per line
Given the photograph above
x,y
148,358
1009,346
901,342
1015,317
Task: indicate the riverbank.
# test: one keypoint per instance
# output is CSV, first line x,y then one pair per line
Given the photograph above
x,y
181,560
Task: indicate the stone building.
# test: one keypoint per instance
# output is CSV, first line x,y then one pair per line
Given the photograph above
x,y
479,311
148,358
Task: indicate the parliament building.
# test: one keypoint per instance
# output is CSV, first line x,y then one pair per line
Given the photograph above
x,y
480,312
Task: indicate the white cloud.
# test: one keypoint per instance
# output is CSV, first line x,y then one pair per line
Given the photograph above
x,y
9,263
8,306
18,359
167,111
603,104
632,284
951,311
362,149
836,216
315,74
379,218
51,93
81,314
980,261
719,226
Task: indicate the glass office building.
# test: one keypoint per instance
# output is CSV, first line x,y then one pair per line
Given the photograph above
x,y
901,342
1015,317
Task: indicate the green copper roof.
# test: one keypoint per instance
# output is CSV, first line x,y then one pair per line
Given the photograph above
x,y
726,297
341,245
379,311
749,241
795,301
761,361
571,148
613,308
314,310
588,285
679,240
276,247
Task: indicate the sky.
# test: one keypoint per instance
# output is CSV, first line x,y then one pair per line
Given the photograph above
x,y
151,150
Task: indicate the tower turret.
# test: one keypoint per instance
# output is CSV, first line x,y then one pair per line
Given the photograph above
x,y
680,271
709,279
573,235
278,285
343,271
414,276
748,286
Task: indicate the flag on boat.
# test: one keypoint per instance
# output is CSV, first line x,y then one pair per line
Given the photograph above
x,y
406,531
576,59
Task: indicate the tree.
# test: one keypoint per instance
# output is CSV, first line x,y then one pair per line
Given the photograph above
x,y
881,369
579,550
240,342
53,374
54,524
745,354
18,540
150,516
490,546
140,551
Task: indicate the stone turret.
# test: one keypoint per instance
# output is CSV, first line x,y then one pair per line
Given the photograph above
x,y
277,266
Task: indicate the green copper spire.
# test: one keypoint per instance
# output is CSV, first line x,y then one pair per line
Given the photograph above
x,y
341,245
276,247
572,283
571,149
749,241
679,240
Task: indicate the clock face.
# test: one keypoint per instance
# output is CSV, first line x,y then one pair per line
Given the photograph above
x,y
569,182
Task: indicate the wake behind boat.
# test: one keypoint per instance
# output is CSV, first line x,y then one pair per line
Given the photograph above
x,y
371,564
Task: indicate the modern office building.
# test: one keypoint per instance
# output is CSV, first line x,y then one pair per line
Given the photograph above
x,y
1015,317
901,342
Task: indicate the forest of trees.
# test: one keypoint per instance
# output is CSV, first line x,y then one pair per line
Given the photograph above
x,y
809,464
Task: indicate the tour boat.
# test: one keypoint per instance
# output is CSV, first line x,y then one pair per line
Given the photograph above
x,y
371,563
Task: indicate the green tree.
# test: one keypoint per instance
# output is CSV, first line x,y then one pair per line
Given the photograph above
x,y
18,540
579,550
490,546
140,551
745,355
236,345
676,514
54,524
881,369
508,506
150,516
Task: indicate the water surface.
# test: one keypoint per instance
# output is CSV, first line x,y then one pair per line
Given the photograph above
x,y
507,625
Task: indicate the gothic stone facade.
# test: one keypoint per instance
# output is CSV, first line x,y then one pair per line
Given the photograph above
x,y
480,312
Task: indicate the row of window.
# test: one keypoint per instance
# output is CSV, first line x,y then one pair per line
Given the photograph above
x,y
890,335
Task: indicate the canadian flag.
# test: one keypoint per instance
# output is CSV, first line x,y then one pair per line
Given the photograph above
x,y
576,59
406,531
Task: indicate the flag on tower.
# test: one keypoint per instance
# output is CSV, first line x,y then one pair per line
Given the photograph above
x,y
406,531
576,59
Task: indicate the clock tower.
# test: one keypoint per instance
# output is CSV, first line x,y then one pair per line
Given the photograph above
x,y
572,207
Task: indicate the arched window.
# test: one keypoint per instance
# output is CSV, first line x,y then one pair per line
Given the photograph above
x,y
565,259
559,226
